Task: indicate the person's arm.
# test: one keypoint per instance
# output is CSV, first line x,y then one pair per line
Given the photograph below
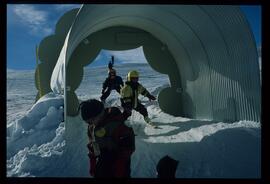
x,y
143,91
121,82
126,141
92,160
110,65
104,85
113,112
91,155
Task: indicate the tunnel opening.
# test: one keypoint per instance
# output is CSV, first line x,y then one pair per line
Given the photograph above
x,y
96,72
122,38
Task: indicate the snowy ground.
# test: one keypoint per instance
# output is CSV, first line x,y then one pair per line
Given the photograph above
x,y
39,145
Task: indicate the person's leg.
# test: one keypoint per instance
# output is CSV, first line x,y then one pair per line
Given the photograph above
x,y
127,109
104,166
122,167
105,95
142,110
128,167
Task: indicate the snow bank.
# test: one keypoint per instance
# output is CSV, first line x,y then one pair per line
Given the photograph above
x,y
233,152
204,148
38,135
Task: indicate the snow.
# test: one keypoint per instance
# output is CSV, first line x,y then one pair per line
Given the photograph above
x,y
40,144
36,135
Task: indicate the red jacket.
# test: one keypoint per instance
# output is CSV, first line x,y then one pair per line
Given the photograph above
x,y
116,142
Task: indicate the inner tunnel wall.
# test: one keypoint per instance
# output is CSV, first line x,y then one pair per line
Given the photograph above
x,y
212,48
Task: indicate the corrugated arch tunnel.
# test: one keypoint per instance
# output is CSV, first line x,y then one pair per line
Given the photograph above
x,y
208,53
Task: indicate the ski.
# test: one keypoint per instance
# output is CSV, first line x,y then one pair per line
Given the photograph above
x,y
154,126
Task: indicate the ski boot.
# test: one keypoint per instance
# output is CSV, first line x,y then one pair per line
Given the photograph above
x,y
148,121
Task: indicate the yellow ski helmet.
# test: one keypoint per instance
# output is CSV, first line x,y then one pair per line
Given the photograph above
x,y
132,74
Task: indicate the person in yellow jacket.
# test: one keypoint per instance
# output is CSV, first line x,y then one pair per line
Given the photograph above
x,y
129,96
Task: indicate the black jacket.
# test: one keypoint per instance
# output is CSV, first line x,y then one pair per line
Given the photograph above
x,y
113,83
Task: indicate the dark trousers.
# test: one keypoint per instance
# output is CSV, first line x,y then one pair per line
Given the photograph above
x,y
140,108
106,166
107,93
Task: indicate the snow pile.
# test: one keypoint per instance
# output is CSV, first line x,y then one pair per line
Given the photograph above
x,y
35,137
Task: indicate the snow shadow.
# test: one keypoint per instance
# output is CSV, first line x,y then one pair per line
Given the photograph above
x,y
183,126
229,153
178,127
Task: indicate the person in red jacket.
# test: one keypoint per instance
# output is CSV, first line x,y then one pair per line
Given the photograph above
x,y
111,142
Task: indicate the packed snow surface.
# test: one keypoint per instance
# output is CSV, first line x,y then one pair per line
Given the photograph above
x,y
40,144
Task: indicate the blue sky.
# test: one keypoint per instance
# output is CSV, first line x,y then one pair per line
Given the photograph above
x,y
253,14
28,24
